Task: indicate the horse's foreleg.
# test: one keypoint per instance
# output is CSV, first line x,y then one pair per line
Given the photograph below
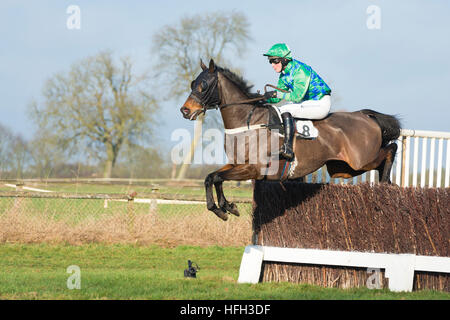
x,y
233,172
223,202
217,180
210,180
228,172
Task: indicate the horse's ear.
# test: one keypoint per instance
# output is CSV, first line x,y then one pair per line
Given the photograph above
x,y
202,65
212,66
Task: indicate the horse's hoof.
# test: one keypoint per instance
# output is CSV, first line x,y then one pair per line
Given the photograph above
x,y
232,208
221,214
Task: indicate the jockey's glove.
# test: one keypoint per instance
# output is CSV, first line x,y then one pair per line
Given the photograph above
x,y
270,94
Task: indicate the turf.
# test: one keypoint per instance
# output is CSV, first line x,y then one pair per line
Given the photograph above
x,y
39,271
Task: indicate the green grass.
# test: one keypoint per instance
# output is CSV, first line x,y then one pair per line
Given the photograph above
x,y
141,272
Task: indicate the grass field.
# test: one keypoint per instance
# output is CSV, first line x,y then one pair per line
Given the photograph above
x,y
39,271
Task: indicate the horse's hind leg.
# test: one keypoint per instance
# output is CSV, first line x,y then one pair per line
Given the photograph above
x,y
384,170
382,163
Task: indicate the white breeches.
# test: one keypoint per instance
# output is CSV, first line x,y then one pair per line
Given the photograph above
x,y
309,109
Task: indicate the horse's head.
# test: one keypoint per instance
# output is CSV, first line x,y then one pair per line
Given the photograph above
x,y
204,94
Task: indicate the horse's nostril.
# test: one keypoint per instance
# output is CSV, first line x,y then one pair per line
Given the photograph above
x,y
185,110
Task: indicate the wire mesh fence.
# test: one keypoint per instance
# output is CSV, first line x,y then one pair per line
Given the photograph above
x,y
114,218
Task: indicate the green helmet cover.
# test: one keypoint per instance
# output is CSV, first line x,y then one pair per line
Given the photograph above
x,y
279,50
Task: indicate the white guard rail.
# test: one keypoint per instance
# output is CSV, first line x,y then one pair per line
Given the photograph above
x,y
399,268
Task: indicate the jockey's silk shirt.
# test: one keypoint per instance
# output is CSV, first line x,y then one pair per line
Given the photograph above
x,y
302,82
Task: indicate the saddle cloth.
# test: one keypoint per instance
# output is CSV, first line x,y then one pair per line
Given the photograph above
x,y
304,128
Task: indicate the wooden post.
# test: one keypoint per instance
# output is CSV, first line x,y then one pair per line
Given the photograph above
x,y
324,174
130,212
153,202
314,177
402,180
174,171
254,231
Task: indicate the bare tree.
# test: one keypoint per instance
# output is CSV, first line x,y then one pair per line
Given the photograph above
x,y
98,106
45,154
6,137
210,35
178,49
14,154
20,156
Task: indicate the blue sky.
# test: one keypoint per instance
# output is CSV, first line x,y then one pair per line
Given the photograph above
x,y
401,69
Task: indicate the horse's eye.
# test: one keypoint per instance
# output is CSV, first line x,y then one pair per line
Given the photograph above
x,y
204,85
192,85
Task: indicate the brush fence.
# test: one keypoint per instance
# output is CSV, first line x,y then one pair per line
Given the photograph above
x,y
349,236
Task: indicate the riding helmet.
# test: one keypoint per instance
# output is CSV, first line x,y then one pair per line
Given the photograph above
x,y
280,50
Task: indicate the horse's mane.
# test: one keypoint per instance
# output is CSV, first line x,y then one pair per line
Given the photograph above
x,y
239,82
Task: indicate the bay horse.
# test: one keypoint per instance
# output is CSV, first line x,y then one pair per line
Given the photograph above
x,y
349,143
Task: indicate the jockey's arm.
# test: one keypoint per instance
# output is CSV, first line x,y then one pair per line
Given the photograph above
x,y
282,86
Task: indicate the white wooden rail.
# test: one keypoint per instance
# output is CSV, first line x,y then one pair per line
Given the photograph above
x,y
435,161
399,268
21,187
422,159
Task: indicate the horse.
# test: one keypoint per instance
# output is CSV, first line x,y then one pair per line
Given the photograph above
x,y
349,143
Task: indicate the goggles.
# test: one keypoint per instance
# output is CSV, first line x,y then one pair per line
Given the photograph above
x,y
274,60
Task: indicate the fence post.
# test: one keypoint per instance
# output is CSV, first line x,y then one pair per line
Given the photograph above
x,y
254,232
431,169
130,211
324,174
402,181
153,201
314,178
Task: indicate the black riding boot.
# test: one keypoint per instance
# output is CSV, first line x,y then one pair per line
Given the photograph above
x,y
286,150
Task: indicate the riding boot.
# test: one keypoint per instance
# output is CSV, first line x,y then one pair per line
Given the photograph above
x,y
286,150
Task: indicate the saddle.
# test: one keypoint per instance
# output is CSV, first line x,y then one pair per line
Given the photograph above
x,y
304,128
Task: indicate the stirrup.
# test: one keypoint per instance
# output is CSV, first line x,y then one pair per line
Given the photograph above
x,y
286,153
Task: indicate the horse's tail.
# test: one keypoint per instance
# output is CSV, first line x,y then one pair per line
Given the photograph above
x,y
390,125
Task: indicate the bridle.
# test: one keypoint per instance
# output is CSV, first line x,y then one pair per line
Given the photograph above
x,y
208,99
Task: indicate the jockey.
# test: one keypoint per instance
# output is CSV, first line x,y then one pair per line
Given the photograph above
x,y
308,96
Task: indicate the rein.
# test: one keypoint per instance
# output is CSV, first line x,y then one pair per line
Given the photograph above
x,y
217,106
276,88
244,102
234,103
209,100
